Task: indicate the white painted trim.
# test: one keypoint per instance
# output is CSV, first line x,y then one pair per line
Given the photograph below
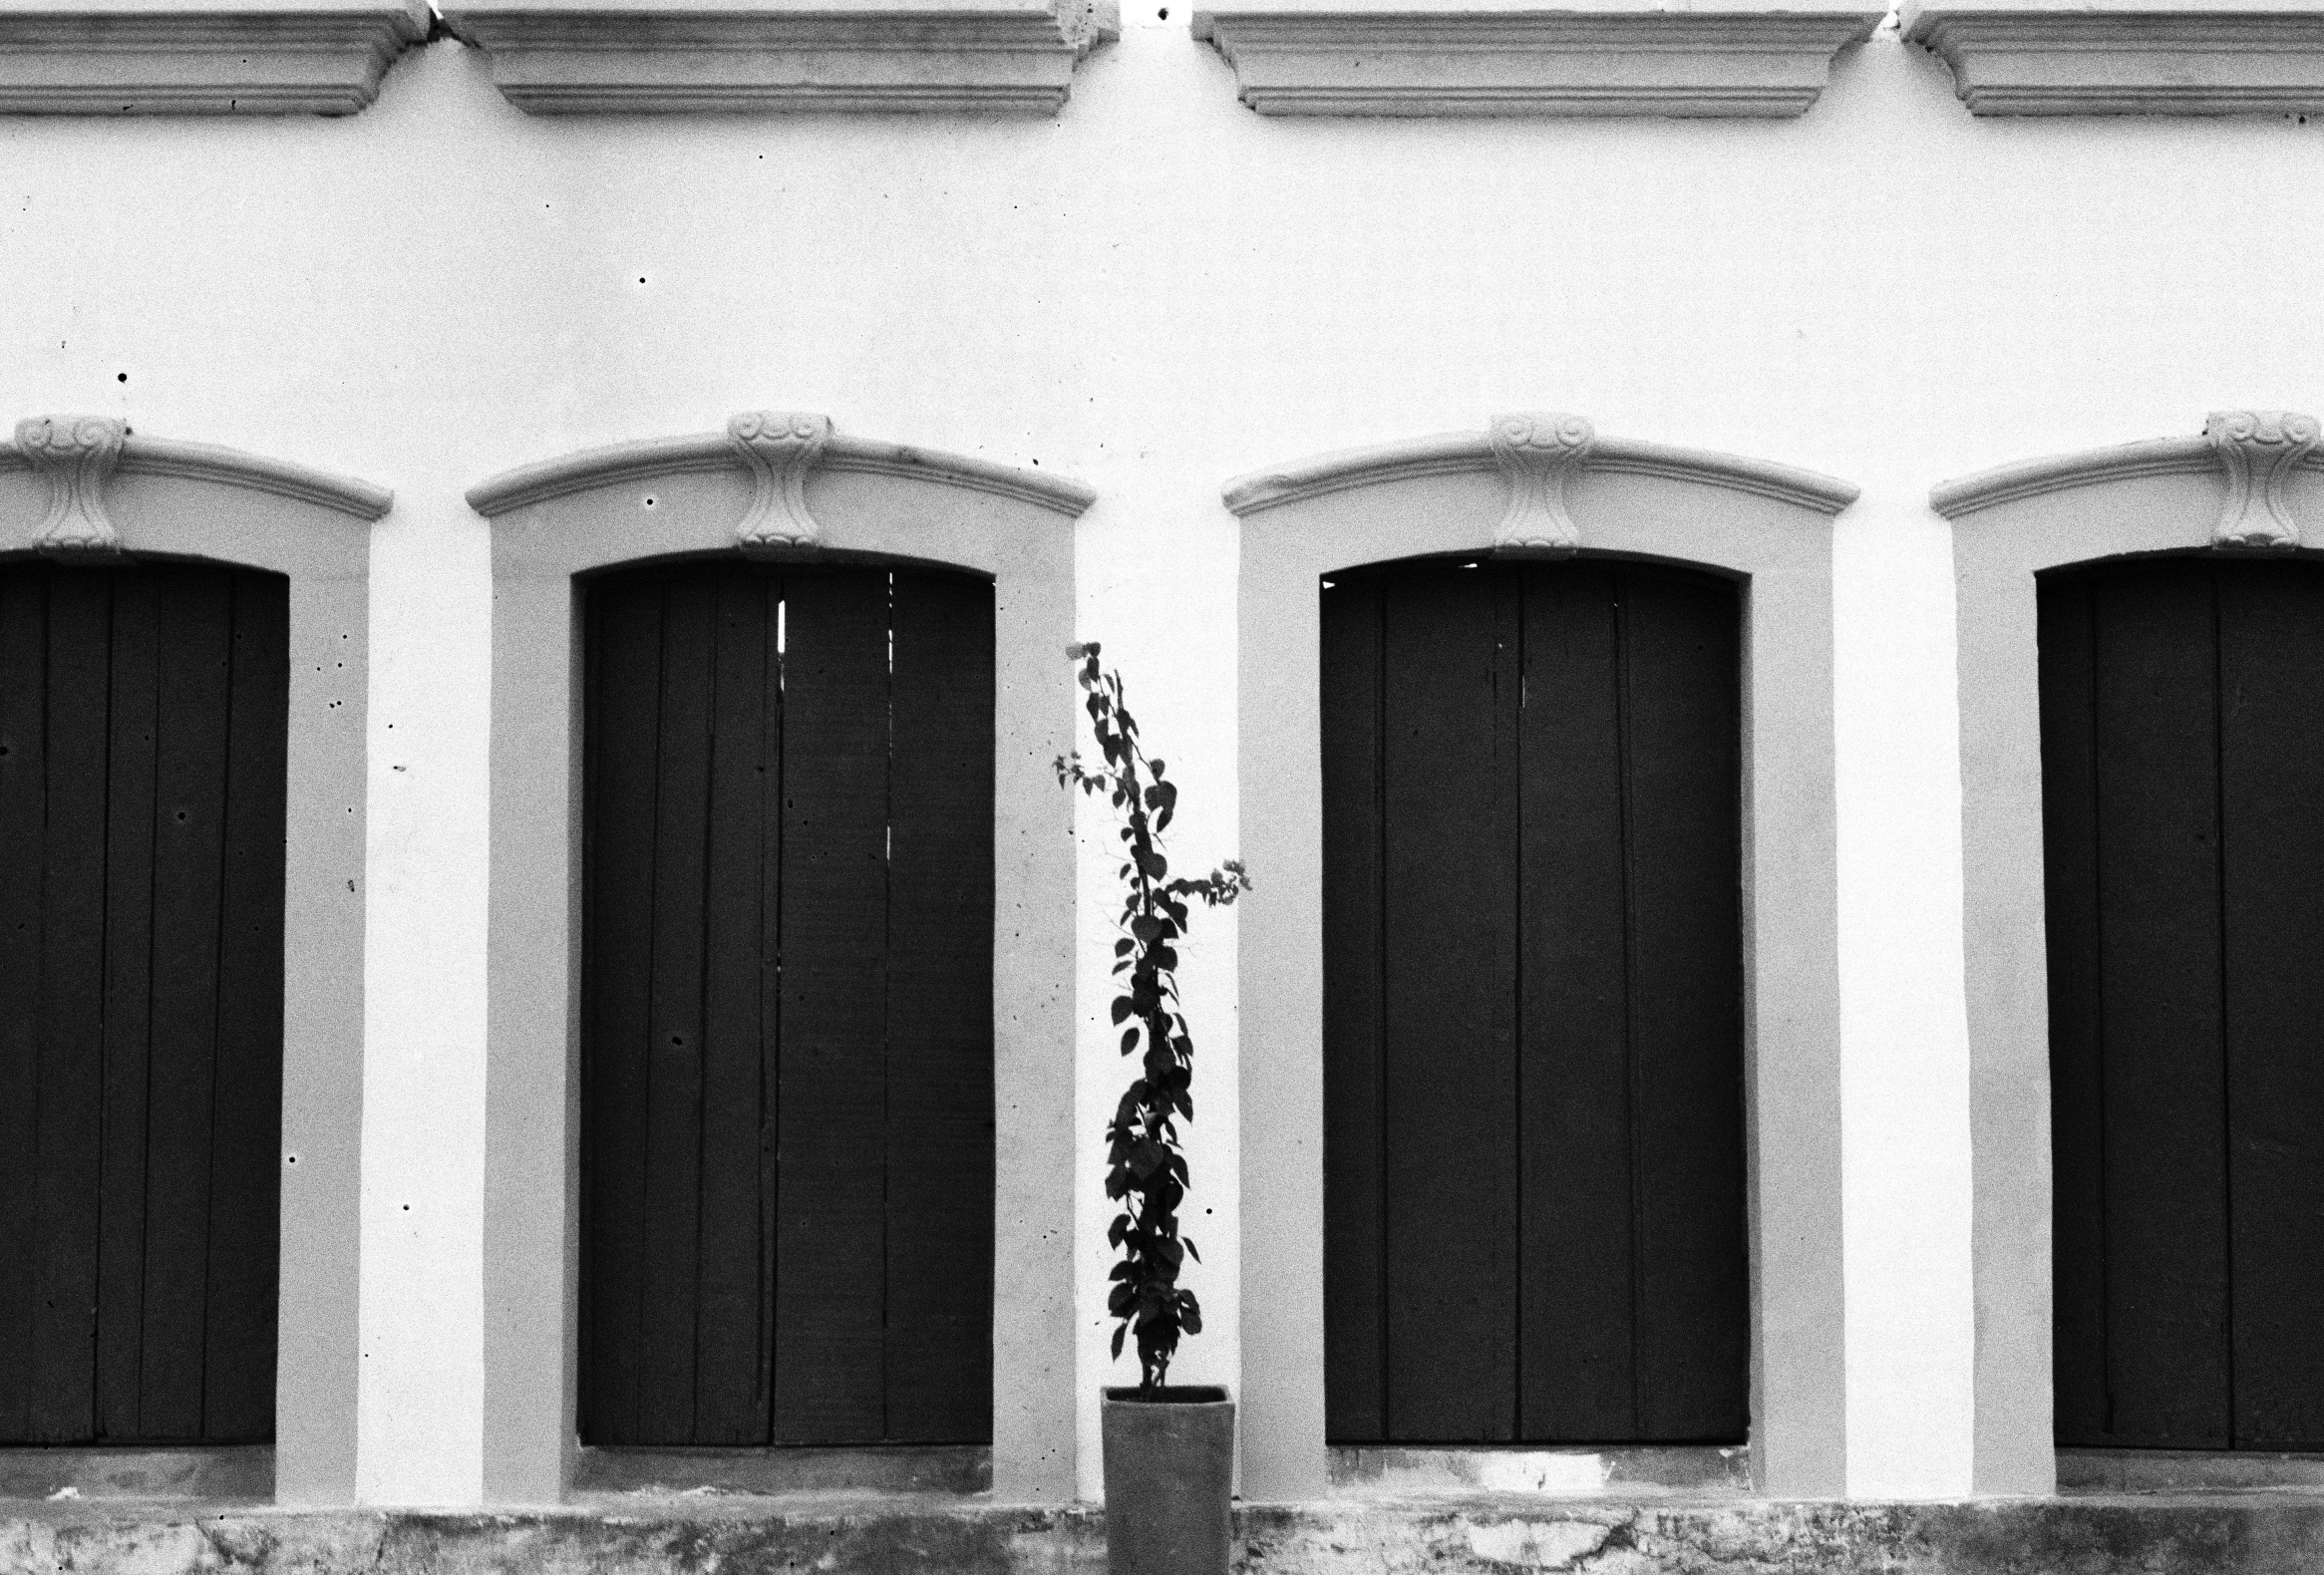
x,y
568,57
2011,524
218,56
1767,525
712,452
1462,452
558,520
2127,57
1493,57
2058,473
209,461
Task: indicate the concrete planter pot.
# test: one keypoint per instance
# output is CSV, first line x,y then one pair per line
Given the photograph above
x,y
1169,1481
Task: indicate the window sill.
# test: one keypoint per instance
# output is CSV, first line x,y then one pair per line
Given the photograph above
x,y
1396,1470
214,1473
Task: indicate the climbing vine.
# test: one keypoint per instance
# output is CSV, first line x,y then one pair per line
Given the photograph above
x,y
1146,1165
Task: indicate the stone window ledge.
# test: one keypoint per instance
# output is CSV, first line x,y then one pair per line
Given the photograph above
x,y
212,1473
215,56
1506,57
780,1470
2127,57
1619,1471
1010,57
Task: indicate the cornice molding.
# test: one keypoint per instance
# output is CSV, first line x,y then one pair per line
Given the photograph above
x,y
579,57
195,461
218,56
1582,58
2059,472
2127,57
710,454
1468,452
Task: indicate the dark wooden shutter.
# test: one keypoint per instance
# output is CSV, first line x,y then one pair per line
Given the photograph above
x,y
1533,1005
2182,771
144,716
787,1040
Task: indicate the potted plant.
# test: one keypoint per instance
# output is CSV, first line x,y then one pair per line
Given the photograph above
x,y
1168,1449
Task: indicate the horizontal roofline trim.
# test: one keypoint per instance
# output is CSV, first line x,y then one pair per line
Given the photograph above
x,y
2058,473
209,461
709,453
1459,453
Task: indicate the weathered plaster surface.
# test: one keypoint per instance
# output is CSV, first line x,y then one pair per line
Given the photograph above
x,y
2234,1535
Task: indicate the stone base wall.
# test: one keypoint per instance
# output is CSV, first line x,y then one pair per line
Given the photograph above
x,y
2215,1535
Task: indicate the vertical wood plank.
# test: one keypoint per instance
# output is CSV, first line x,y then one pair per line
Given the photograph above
x,y
129,968
623,720
1577,1250
246,1140
2069,786
189,851
832,1254
1355,1348
1452,1293
23,796
673,1111
730,1401
939,1137
72,984
2159,910
2272,767
1682,739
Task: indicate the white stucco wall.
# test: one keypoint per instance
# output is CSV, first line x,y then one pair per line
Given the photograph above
x,y
1154,292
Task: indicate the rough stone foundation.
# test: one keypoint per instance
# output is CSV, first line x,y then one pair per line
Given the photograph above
x,y
2210,1535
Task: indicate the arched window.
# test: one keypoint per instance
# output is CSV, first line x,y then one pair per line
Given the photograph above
x,y
181,682
1710,575
2182,766
788,1081
1533,1178
787,1029
2139,778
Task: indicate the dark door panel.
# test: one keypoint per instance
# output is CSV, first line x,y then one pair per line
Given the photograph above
x,y
786,1052
1534,1141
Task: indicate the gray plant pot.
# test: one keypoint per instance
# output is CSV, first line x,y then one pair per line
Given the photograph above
x,y
1169,1481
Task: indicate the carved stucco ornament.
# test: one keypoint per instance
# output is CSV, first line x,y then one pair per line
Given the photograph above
x,y
76,453
2259,450
1537,452
780,446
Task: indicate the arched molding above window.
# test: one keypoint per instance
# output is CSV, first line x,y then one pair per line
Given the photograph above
x,y
88,469
2249,482
212,57
1547,484
87,490
584,57
1473,57
778,486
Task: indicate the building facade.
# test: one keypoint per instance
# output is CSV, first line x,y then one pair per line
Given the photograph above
x,y
1151,330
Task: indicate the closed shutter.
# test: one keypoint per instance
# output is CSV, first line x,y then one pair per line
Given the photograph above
x,y
1533,1013
144,716
2182,773
787,1040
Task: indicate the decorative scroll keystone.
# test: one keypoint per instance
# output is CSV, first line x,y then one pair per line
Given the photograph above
x,y
1537,452
76,453
780,446
2259,449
